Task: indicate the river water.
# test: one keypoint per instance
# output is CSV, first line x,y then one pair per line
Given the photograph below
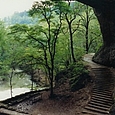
x,y
16,91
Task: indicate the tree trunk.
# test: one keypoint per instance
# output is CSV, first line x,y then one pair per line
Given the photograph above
x,y
105,12
71,43
11,87
51,89
32,85
87,31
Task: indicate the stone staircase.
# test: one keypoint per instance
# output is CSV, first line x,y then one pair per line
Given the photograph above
x,y
101,97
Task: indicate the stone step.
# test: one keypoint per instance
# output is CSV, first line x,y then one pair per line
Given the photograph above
x,y
102,101
106,85
10,112
102,94
103,81
101,69
100,111
103,90
88,112
104,76
99,81
99,104
103,87
102,73
102,97
99,107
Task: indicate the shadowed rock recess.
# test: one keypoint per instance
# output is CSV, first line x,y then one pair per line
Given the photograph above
x,y
105,13
105,56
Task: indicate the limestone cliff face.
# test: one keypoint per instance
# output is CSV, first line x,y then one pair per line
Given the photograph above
x,y
106,18
105,12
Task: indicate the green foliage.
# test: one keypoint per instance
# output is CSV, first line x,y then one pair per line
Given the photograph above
x,y
48,17
46,43
79,76
77,69
79,52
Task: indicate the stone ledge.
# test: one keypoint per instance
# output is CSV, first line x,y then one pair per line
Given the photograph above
x,y
10,112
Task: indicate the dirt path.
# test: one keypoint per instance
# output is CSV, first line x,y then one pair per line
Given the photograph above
x,y
68,104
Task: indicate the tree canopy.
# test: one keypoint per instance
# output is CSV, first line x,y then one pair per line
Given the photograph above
x,y
61,34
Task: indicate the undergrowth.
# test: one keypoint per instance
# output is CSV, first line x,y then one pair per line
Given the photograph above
x,y
76,73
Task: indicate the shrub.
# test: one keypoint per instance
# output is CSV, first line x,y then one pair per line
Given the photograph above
x,y
79,76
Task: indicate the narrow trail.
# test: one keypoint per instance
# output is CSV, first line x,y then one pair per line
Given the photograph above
x,y
101,96
100,100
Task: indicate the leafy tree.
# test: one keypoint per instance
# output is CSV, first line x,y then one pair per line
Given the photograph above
x,y
87,18
28,64
79,23
24,55
89,28
43,37
2,40
51,32
3,51
70,16
7,46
